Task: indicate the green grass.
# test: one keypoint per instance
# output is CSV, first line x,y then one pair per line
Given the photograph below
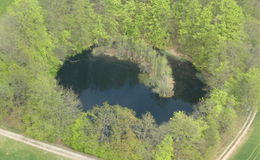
x,y
250,150
13,150
3,5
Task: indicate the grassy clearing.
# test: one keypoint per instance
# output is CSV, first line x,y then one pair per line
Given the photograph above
x,y
250,150
3,5
13,150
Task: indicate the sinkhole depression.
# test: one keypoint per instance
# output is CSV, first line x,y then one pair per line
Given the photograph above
x,y
99,79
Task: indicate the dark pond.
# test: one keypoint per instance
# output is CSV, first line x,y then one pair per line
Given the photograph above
x,y
97,79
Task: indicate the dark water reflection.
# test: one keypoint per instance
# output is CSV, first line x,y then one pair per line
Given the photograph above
x,y
99,79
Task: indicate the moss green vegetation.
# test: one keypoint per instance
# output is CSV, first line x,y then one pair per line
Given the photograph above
x,y
220,36
4,5
13,150
251,149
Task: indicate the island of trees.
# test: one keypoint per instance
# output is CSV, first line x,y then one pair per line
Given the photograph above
x,y
220,37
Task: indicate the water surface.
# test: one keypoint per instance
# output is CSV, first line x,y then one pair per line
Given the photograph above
x,y
98,79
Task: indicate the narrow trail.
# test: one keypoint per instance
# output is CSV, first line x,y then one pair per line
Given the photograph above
x,y
238,139
174,52
46,147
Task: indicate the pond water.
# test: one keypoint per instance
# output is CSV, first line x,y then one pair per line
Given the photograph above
x,y
98,79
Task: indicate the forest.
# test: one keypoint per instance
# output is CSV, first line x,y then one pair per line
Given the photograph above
x,y
220,37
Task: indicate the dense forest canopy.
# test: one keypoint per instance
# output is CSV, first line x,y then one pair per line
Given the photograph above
x,y
220,37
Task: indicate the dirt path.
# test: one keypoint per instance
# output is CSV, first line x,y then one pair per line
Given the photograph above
x,y
174,51
238,139
47,147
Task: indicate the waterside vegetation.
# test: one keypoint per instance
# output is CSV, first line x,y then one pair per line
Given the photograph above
x,y
220,36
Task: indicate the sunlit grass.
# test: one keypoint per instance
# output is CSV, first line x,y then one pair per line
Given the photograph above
x,y
13,150
251,149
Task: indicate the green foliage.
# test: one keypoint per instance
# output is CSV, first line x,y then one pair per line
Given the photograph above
x,y
187,134
74,25
164,151
14,85
136,20
58,23
250,7
32,37
212,138
251,88
156,28
203,31
106,131
4,5
49,110
219,108
36,35
219,113
229,66
43,109
252,27
77,139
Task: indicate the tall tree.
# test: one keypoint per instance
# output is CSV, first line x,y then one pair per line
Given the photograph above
x,y
49,110
164,150
203,31
32,40
187,134
157,17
